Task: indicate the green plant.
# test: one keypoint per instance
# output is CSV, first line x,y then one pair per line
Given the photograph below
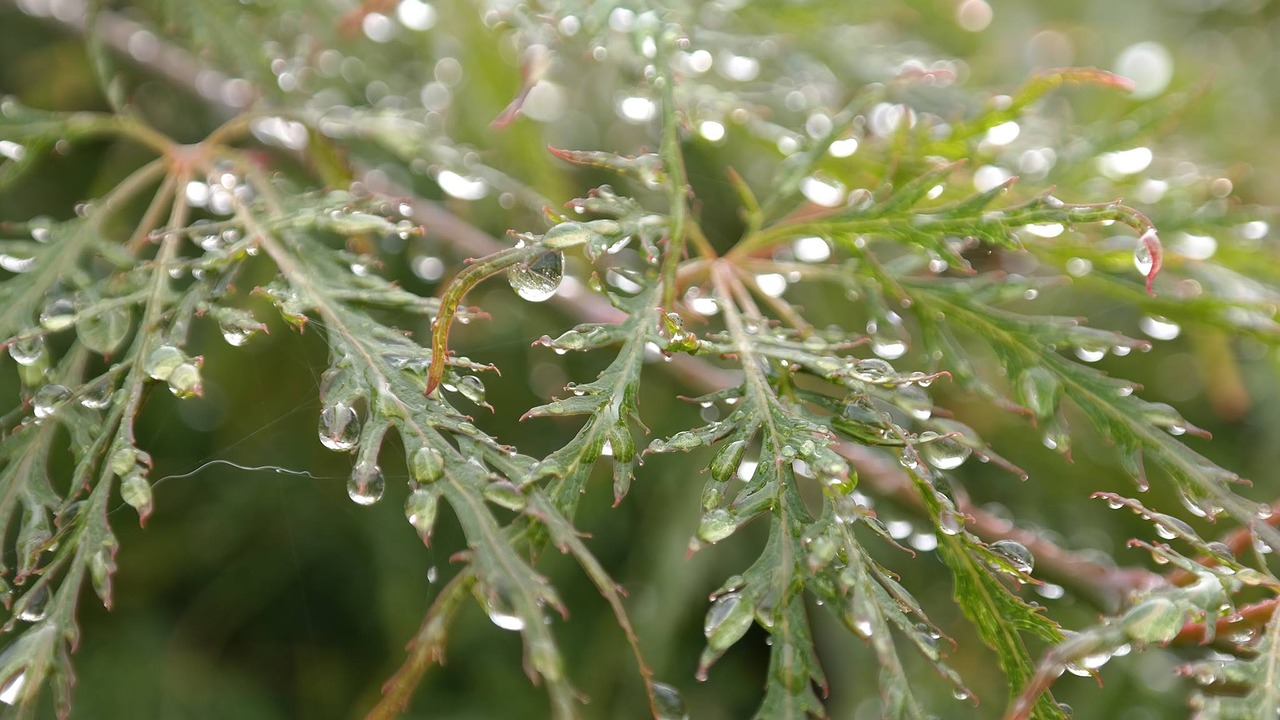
x,y
936,252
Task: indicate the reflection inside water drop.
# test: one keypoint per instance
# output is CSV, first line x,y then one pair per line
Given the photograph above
x,y
538,280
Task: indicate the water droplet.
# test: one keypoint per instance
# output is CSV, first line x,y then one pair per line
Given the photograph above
x,y
98,395
668,703
136,491
339,427
1159,328
719,611
1090,354
1045,230
1149,65
58,314
1142,259
366,484
472,388
12,689
727,620
1170,527
717,524
163,360
888,337
1015,553
915,401
949,523
1038,390
46,400
923,541
862,624
501,613
34,605
1221,550
566,235
504,493
426,465
1095,661
1199,506
185,381
812,249
772,284
27,351
873,370
945,453
236,336
420,510
538,280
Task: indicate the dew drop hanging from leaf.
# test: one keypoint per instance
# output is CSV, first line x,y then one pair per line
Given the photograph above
x,y
339,427
538,280
366,485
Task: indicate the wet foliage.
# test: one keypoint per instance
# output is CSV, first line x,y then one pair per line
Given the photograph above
x,y
875,229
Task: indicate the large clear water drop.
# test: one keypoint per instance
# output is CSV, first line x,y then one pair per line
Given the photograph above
x,y
339,427
366,484
945,453
538,280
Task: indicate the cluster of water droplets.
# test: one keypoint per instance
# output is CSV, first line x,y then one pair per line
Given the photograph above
x,y
170,365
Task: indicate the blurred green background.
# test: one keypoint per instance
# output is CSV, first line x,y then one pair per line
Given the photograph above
x,y
256,594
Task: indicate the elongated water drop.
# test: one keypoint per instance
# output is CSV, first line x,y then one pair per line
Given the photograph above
x,y
728,619
873,370
504,493
366,484
472,388
1038,390
538,280
339,427
668,703
12,689
1142,259
1015,553
566,235
136,492
1170,527
420,510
